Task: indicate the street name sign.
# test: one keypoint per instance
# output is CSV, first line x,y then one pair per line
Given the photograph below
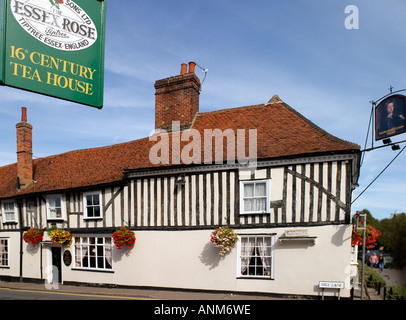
x,y
55,48
331,285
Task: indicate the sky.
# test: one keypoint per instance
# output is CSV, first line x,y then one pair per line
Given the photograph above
x,y
301,50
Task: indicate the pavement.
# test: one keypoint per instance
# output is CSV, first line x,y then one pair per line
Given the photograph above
x,y
133,293
392,277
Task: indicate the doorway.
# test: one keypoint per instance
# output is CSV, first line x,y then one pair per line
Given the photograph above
x,y
57,264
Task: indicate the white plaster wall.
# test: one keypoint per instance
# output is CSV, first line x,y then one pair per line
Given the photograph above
x,y
13,268
187,259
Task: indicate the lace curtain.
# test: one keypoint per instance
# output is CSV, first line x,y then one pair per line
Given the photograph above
x,y
255,197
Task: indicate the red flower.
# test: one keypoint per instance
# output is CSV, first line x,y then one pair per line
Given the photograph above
x,y
59,1
33,236
124,236
371,236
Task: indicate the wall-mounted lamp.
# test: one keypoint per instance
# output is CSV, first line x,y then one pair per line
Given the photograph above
x,y
387,141
180,180
395,147
354,186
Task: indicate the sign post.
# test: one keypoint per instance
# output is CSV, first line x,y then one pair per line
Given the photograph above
x,y
364,227
331,285
55,48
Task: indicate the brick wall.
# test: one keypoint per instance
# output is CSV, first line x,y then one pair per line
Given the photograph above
x,y
24,151
177,99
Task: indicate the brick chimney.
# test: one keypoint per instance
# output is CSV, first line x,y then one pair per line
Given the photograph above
x,y
24,152
177,99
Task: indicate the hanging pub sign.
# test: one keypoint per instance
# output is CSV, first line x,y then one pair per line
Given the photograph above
x,y
54,47
390,117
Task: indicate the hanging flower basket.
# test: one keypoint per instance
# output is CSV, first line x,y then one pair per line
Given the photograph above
x,y
60,237
124,237
224,238
371,236
33,236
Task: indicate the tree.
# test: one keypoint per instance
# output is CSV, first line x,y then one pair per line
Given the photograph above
x,y
394,238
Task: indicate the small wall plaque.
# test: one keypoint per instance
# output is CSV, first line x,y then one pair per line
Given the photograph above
x,y
67,258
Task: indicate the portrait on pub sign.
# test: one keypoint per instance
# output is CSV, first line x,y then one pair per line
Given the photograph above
x,y
390,117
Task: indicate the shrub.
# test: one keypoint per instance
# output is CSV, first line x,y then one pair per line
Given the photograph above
x,y
372,277
396,293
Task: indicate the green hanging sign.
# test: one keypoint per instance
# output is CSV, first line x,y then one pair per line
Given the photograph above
x,y
54,47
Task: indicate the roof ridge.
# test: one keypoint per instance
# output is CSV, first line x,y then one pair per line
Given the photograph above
x,y
84,150
234,109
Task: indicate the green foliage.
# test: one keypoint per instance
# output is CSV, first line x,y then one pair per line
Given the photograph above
x,y
396,293
393,238
370,219
372,277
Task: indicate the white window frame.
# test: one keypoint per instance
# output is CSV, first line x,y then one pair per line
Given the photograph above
x,y
2,264
63,209
7,212
85,206
83,247
272,256
267,194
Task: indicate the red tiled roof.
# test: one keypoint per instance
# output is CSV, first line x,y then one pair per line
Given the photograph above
x,y
281,132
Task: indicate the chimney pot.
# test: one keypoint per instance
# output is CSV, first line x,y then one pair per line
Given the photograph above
x,y
192,67
24,114
183,68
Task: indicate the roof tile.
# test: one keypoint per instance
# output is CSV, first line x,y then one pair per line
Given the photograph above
x,y
281,132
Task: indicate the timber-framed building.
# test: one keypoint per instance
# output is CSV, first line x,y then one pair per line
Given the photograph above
x,y
291,210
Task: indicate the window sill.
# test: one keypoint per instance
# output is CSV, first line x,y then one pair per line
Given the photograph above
x,y
92,218
254,212
4,267
93,270
299,239
256,278
10,222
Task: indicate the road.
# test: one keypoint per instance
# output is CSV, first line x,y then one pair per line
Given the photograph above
x,y
24,294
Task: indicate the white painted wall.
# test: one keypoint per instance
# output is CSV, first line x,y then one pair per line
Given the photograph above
x,y
187,259
13,268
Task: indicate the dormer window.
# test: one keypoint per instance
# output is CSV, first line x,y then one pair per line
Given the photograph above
x,y
9,214
92,205
55,207
254,197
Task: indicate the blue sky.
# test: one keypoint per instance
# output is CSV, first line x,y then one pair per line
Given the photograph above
x,y
298,49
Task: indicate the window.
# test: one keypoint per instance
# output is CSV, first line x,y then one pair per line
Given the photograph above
x,y
3,252
31,205
55,208
9,212
92,205
255,258
254,196
93,253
